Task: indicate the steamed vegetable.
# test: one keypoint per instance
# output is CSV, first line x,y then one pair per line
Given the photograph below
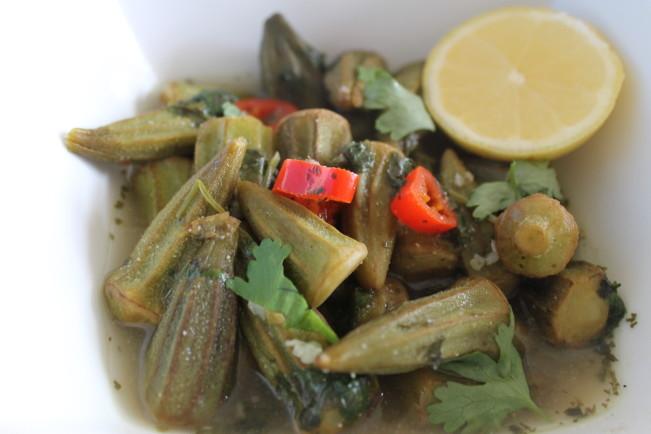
x,y
426,331
421,205
155,183
368,219
483,407
216,133
477,238
135,291
321,256
290,69
190,362
149,136
417,256
316,134
345,89
369,304
572,308
536,236
319,402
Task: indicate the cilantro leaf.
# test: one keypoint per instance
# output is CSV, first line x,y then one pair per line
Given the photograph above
x,y
404,112
268,287
483,407
524,178
491,197
230,109
534,177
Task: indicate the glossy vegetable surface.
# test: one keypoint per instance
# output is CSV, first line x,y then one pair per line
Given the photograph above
x,y
307,180
536,236
135,291
421,206
190,361
321,256
368,219
421,332
316,134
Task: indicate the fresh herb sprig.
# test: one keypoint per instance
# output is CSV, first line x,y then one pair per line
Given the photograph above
x,y
267,286
470,408
403,112
524,178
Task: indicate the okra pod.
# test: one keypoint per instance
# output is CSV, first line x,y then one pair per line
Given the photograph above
x,y
426,331
135,291
190,361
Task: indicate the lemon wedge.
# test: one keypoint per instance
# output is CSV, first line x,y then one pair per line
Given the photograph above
x,y
522,83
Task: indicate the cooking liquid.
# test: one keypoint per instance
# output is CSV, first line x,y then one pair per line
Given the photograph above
x,y
568,384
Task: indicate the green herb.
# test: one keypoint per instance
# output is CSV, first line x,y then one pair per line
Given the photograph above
x,y
268,287
205,104
524,178
483,407
491,197
616,307
398,169
404,112
230,109
531,177
359,157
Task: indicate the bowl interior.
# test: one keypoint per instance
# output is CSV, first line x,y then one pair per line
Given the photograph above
x,y
106,63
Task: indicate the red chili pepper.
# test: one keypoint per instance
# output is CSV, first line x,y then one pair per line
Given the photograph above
x,y
268,110
421,205
327,210
310,180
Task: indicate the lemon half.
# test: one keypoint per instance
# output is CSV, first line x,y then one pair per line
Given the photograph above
x,y
522,83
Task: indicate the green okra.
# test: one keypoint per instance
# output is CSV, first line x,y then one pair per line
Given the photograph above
x,y
190,360
368,219
135,291
150,136
319,402
426,331
215,133
418,255
155,183
290,68
369,304
477,238
321,256
345,90
317,134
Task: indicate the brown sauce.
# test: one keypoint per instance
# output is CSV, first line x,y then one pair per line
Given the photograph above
x,y
568,384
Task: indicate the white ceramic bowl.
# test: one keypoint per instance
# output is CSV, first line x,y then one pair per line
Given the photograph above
x,y
79,63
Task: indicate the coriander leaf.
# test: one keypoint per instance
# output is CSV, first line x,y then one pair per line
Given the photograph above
x,y
491,197
524,178
268,287
483,407
230,109
404,112
531,177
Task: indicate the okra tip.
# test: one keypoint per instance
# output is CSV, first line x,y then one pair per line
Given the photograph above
x,y
83,142
125,309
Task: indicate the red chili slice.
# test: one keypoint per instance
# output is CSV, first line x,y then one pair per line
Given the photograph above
x,y
310,180
268,110
421,205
